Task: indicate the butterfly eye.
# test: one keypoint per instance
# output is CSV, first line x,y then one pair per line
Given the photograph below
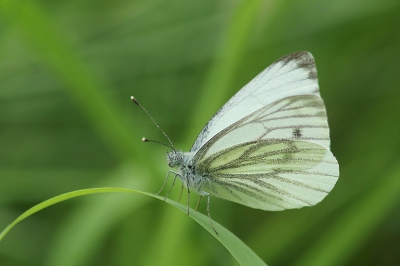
x,y
174,158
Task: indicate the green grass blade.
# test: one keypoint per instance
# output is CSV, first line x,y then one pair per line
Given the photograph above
x,y
242,253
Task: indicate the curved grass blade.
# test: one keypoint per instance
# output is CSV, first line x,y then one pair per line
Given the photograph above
x,y
242,253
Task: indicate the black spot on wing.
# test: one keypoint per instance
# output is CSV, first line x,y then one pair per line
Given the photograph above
x,y
297,133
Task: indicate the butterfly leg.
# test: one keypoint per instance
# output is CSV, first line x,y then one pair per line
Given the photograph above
x,y
173,183
180,194
198,202
165,182
208,211
188,200
203,193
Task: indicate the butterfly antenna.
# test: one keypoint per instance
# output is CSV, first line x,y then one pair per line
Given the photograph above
x,y
155,141
146,140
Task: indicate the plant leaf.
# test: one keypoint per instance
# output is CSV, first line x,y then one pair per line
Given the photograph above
x,y
242,253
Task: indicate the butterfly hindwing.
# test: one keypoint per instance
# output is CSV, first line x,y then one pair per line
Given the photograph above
x,y
271,175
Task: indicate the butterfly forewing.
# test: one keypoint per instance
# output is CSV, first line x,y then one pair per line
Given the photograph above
x,y
291,75
293,118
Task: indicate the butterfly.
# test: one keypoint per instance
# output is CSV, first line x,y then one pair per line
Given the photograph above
x,y
268,147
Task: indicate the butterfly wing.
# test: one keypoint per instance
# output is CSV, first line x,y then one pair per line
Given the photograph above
x,y
291,75
273,175
275,158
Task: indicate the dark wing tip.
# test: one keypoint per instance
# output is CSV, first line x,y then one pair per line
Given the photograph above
x,y
302,60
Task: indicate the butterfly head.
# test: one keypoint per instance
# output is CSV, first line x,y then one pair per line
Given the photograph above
x,y
174,158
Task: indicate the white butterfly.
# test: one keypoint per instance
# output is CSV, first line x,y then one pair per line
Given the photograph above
x,y
268,146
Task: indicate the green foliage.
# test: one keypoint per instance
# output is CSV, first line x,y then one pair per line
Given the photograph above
x,y
68,68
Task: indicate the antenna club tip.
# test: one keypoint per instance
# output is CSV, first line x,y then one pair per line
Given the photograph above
x,y
144,139
133,99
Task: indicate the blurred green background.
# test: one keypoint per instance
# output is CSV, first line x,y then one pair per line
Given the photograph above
x,y
68,69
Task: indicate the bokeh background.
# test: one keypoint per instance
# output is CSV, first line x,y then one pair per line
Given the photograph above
x,y
68,69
